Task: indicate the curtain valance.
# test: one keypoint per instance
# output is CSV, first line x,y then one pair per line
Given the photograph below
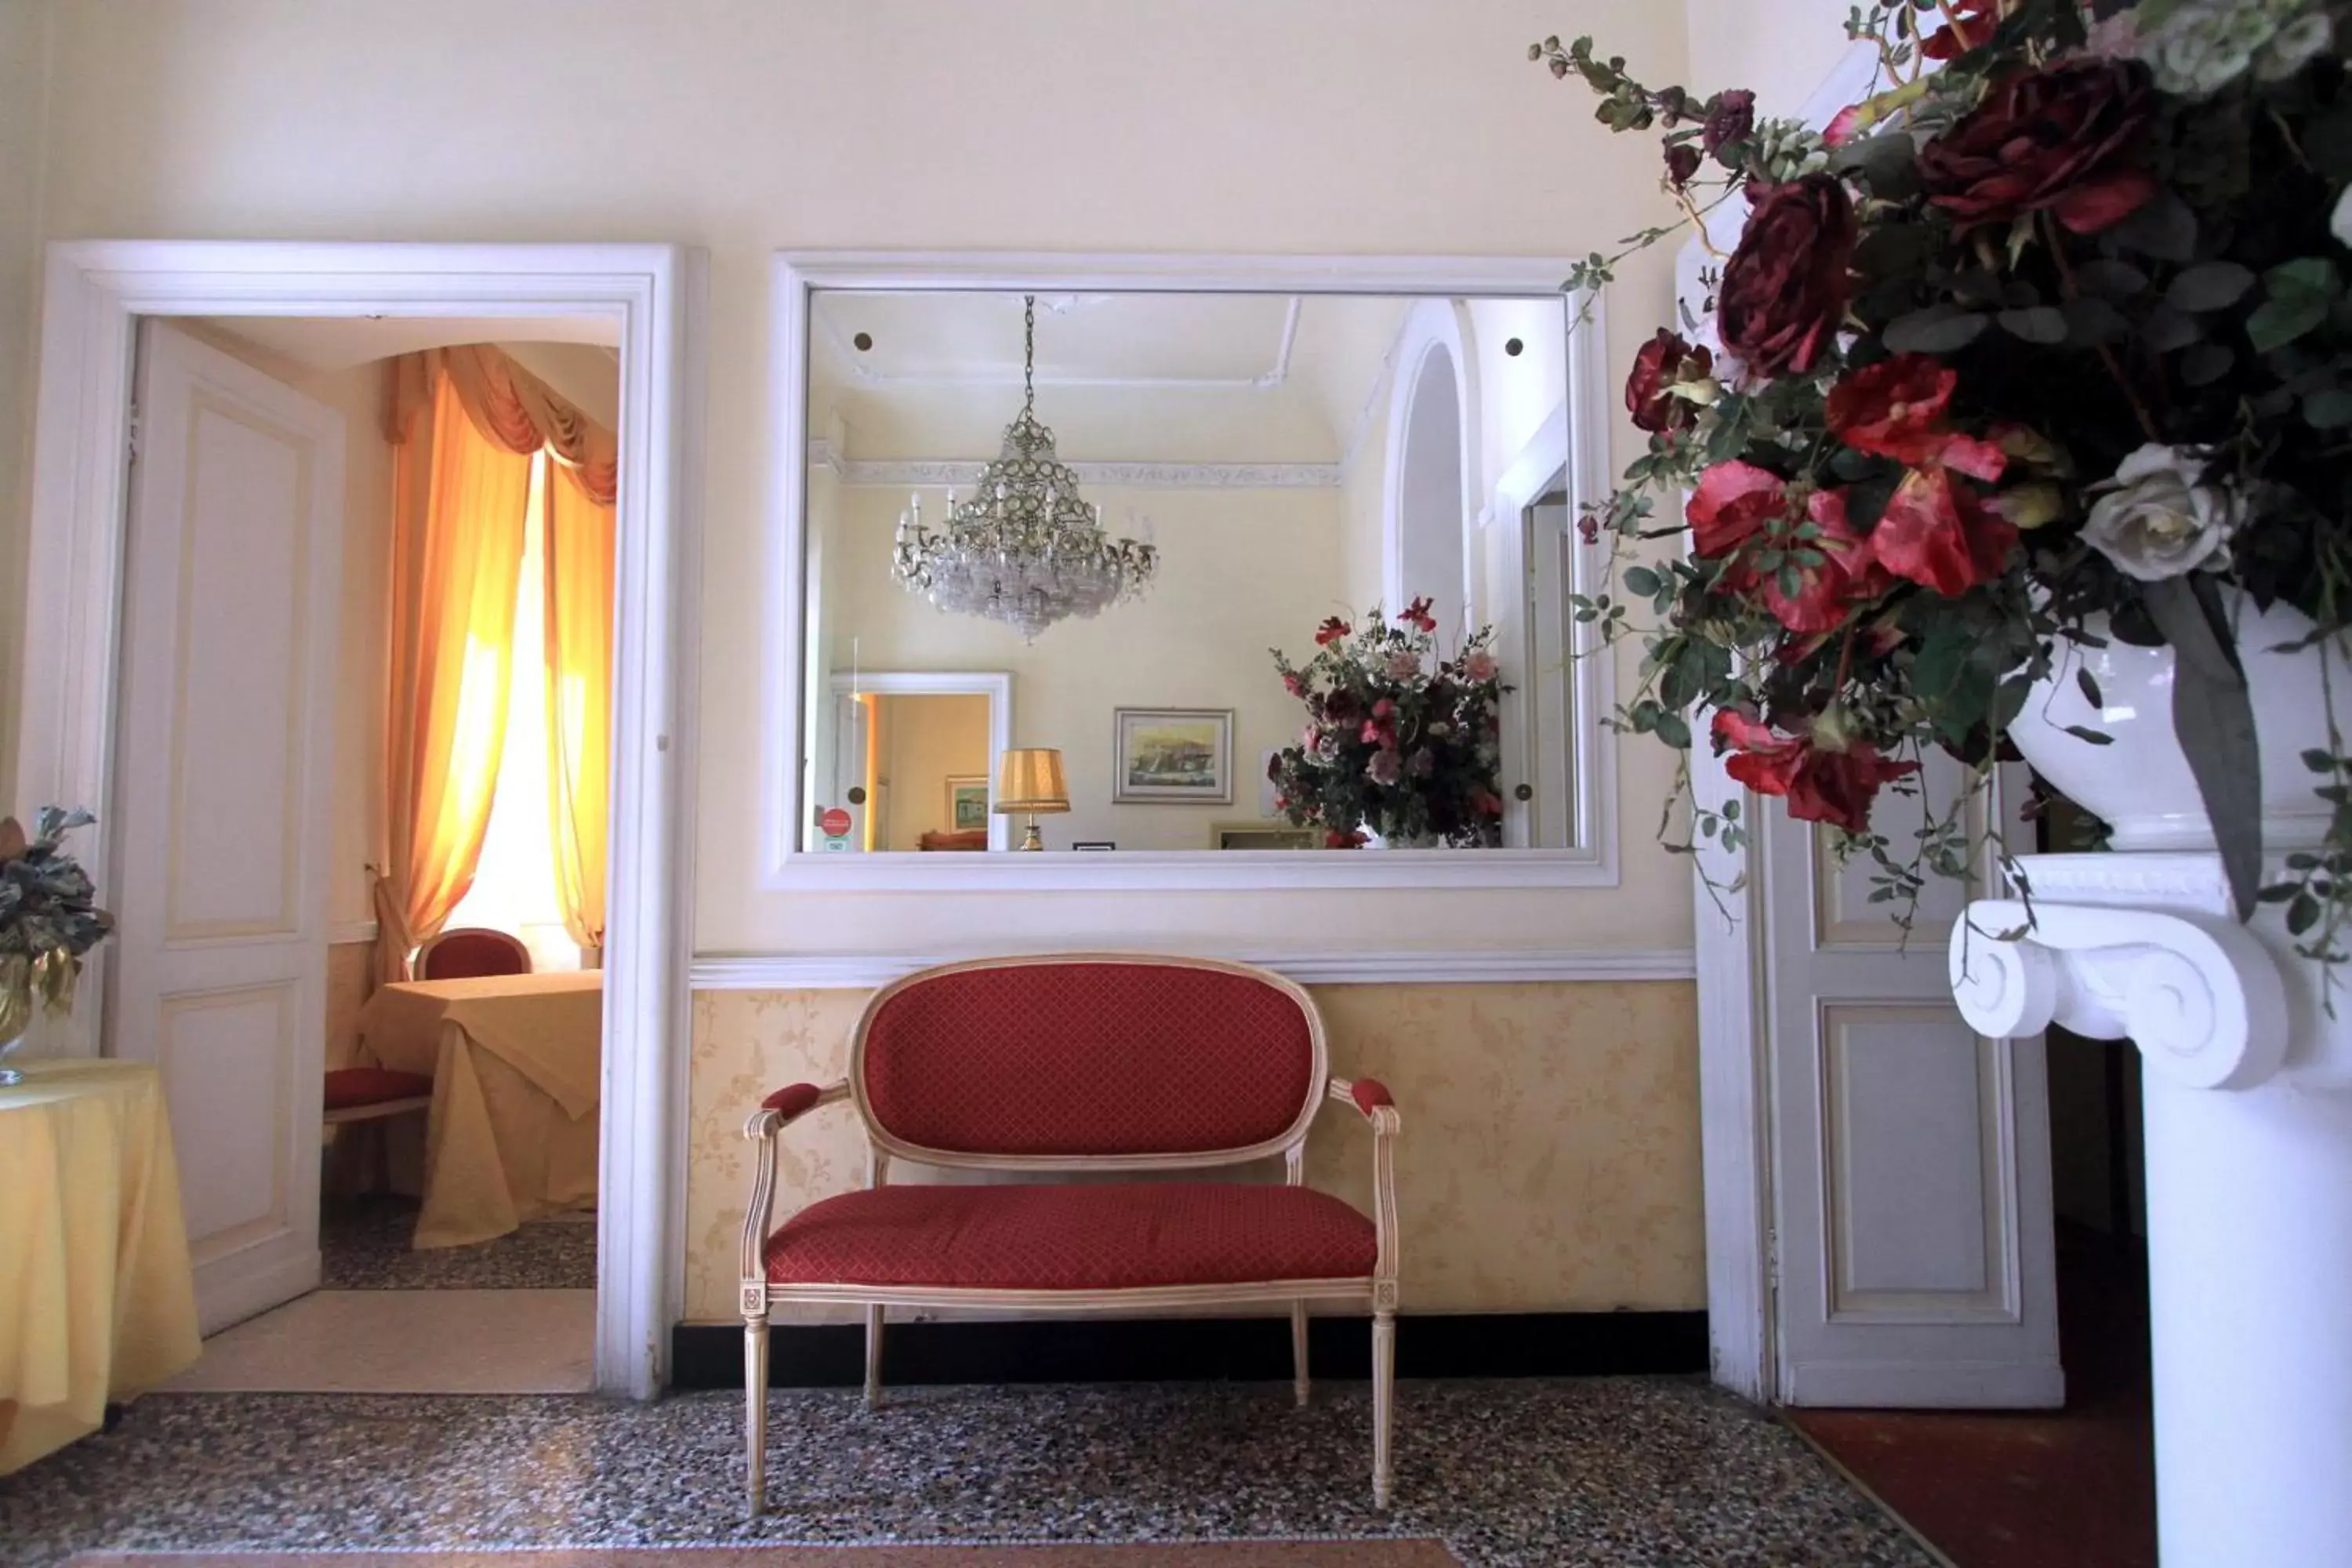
x,y
509,406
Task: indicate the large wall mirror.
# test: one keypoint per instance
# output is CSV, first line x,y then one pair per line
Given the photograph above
x,y
1046,530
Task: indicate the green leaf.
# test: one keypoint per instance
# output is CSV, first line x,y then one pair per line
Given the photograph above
x,y
2037,324
2299,294
2303,914
2328,409
2081,732
2214,718
2167,329
2090,321
1938,329
2319,761
1887,163
1642,580
2164,228
2210,286
2110,280
2206,364
2090,685
1673,729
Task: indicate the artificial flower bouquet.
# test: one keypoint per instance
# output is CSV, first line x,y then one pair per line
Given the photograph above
x,y
1399,739
48,919
2048,337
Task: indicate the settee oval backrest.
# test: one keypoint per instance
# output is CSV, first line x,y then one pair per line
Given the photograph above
x,y
1117,1060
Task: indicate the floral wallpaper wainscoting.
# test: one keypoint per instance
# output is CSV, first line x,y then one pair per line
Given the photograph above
x,y
1549,1162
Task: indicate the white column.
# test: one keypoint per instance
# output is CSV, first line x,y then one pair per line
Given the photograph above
x,y
2247,1098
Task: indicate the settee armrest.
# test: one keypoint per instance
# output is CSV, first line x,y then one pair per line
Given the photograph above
x,y
1371,1098
776,1112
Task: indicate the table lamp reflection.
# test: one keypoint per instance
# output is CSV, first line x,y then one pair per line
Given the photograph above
x,y
1030,782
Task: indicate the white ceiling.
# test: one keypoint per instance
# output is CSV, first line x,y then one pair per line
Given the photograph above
x,y
1121,377
325,343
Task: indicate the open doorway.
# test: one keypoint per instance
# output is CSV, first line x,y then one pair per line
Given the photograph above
x,y
365,748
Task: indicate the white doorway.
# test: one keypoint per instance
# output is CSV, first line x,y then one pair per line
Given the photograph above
x,y
1433,486
77,638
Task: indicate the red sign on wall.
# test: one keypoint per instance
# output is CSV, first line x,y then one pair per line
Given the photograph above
x,y
835,823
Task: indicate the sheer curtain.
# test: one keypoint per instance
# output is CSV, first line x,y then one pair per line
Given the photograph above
x,y
467,423
457,522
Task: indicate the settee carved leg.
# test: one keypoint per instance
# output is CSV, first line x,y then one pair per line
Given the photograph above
x,y
873,1358
1383,1401
1298,1352
755,1412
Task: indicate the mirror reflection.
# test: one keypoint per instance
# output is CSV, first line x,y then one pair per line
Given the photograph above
x,y
1217,573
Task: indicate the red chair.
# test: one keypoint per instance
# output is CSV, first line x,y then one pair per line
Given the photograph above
x,y
472,953
374,1094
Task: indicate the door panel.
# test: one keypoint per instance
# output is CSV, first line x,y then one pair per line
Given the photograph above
x,y
220,818
1911,1160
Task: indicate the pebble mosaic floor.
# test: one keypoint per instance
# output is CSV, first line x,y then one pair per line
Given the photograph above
x,y
1627,1472
363,1245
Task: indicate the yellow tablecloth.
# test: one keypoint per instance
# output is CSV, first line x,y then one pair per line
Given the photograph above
x,y
96,1300
517,1064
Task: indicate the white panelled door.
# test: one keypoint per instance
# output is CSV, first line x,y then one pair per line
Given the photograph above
x,y
1911,1204
220,815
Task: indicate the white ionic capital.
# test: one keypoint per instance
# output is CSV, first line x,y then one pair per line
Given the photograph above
x,y
2201,996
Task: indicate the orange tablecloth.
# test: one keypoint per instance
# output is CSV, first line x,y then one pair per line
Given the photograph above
x,y
97,1298
517,1063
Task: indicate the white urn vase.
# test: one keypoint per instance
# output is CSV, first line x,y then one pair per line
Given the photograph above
x,y
2138,781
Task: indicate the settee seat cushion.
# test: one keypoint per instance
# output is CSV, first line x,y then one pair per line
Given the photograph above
x,y
1073,1236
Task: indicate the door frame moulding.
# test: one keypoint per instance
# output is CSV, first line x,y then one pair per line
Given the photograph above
x,y
94,294
786,867
997,684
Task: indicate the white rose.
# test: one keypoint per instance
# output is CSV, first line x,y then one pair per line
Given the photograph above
x,y
2157,520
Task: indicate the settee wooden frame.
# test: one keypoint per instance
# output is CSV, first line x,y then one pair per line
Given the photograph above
x,y
1377,1292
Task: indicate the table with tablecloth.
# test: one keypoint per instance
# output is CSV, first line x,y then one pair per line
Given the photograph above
x,y
517,1063
96,1300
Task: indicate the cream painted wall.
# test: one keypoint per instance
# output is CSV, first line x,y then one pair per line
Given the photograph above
x,y
1782,50
1241,571
1386,126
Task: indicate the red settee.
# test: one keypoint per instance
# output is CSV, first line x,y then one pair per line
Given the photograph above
x,y
1080,1062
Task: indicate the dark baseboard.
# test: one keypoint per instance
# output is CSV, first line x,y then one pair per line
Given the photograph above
x,y
1186,1350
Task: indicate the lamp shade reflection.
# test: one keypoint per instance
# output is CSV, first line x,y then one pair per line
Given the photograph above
x,y
1029,781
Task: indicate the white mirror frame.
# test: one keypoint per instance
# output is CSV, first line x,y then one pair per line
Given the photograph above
x,y
1580,445
997,684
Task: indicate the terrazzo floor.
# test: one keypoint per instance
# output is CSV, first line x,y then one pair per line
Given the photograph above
x,y
363,1245
1628,1472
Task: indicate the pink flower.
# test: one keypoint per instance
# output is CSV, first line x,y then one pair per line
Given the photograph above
x,y
1295,685
1403,665
1386,766
1478,666
1331,631
1846,127
1371,735
1485,801
1309,736
1384,710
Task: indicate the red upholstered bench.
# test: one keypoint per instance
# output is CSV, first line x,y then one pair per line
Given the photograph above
x,y
1080,1062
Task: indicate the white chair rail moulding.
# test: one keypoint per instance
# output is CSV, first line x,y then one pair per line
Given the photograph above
x,y
94,293
1583,443
1424,966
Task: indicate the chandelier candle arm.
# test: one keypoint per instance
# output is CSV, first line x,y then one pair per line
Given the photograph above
x,y
1026,549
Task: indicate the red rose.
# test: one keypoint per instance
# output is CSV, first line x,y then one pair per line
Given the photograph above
x,y
1730,116
1821,784
1846,127
1895,409
1682,164
1335,839
1485,801
1732,504
1971,27
1331,631
1664,362
1940,535
1784,290
1827,590
1839,787
2065,140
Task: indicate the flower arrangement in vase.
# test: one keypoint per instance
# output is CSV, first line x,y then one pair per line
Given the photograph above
x,y
2035,360
48,919
1400,739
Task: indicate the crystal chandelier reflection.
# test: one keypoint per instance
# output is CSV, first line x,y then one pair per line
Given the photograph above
x,y
1023,549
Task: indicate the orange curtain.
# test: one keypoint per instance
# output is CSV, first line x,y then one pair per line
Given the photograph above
x,y
457,536
579,551
509,406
